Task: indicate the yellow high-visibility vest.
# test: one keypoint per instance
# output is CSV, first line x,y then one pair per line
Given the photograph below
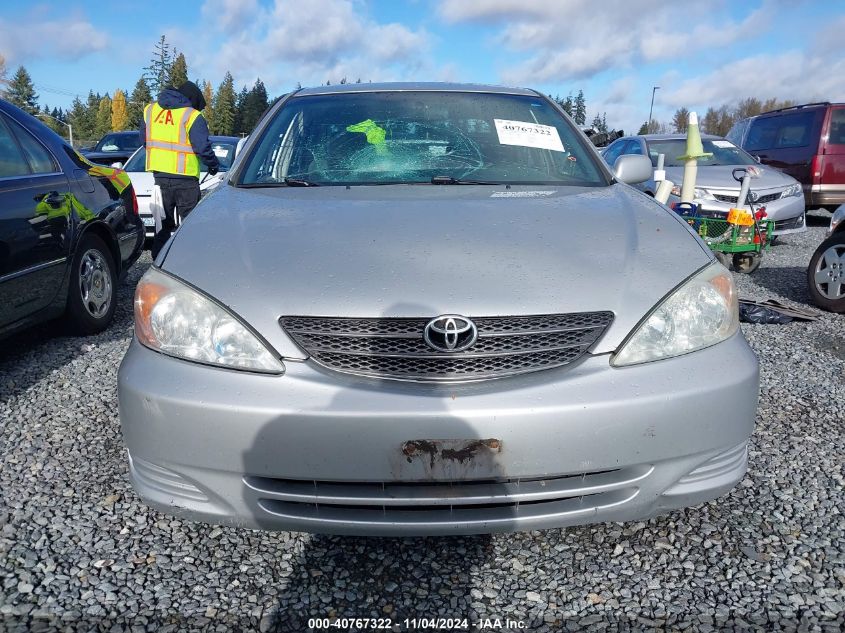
x,y
168,142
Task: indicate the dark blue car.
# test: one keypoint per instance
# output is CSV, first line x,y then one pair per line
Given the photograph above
x,y
69,229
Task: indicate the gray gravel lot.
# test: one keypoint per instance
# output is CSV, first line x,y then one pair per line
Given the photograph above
x,y
78,551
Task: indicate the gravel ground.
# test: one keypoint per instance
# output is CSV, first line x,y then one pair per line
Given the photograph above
x,y
78,551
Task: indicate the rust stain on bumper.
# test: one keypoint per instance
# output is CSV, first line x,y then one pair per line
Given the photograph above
x,y
461,451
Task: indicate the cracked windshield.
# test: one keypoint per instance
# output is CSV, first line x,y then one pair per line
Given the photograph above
x,y
420,137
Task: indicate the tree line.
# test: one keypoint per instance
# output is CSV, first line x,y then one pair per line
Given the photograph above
x,y
717,120
227,111
576,107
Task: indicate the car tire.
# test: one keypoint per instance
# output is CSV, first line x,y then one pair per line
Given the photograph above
x,y
747,263
824,269
92,295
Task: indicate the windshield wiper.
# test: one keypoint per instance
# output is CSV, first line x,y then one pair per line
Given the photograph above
x,y
449,180
299,182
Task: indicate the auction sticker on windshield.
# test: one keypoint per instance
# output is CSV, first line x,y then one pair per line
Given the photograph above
x,y
528,134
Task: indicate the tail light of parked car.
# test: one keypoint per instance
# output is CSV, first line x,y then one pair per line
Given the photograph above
x,y
816,169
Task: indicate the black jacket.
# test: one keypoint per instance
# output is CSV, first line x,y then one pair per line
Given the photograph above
x,y
170,99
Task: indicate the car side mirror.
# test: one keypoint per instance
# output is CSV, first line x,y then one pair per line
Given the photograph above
x,y
118,164
632,169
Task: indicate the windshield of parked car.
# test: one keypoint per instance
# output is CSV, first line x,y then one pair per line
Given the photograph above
x,y
118,142
224,150
724,153
416,136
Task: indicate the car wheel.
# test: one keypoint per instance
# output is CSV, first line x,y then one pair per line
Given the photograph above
x,y
826,274
747,263
93,287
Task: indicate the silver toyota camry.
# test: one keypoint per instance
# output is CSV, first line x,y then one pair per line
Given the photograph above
x,y
433,309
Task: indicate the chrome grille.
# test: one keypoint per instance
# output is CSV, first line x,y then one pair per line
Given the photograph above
x,y
761,200
394,347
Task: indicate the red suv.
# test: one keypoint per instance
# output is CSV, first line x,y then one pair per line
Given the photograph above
x,y
807,142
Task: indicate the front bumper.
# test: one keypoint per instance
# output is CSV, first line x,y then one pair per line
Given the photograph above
x,y
321,452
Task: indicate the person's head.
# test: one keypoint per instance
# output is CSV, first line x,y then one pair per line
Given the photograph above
x,y
194,94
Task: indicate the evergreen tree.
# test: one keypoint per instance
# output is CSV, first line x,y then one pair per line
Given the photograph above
x,y
119,115
92,108
240,110
224,107
256,104
567,105
103,125
580,109
681,120
157,73
178,71
77,117
21,92
596,124
137,102
643,128
48,120
208,113
604,127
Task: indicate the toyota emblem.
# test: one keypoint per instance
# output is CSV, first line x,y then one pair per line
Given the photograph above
x,y
450,333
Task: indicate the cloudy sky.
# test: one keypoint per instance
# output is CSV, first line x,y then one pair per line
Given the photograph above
x,y
710,53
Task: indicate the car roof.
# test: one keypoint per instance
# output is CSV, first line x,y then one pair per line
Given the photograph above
x,y
412,87
674,137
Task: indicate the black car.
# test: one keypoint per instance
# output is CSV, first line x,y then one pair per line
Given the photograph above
x,y
69,229
114,147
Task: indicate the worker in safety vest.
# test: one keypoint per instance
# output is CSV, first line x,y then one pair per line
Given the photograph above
x,y
176,137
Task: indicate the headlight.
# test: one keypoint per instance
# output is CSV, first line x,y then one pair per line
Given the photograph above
x,y
174,319
837,219
792,190
698,193
702,312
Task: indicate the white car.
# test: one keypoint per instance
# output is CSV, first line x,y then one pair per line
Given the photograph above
x,y
224,147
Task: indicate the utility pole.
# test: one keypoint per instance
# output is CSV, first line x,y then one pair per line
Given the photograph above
x,y
651,107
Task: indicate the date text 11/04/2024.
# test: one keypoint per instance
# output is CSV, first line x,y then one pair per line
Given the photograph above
x,y
414,624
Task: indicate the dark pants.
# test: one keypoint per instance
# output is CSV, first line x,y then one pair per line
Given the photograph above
x,y
180,195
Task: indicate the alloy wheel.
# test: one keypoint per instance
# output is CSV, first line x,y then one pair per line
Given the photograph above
x,y
95,283
830,272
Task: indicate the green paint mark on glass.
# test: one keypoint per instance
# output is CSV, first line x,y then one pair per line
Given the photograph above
x,y
375,134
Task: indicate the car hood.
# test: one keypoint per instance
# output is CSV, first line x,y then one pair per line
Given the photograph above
x,y
720,177
424,250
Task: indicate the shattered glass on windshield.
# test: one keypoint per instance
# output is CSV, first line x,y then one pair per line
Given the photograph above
x,y
414,137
